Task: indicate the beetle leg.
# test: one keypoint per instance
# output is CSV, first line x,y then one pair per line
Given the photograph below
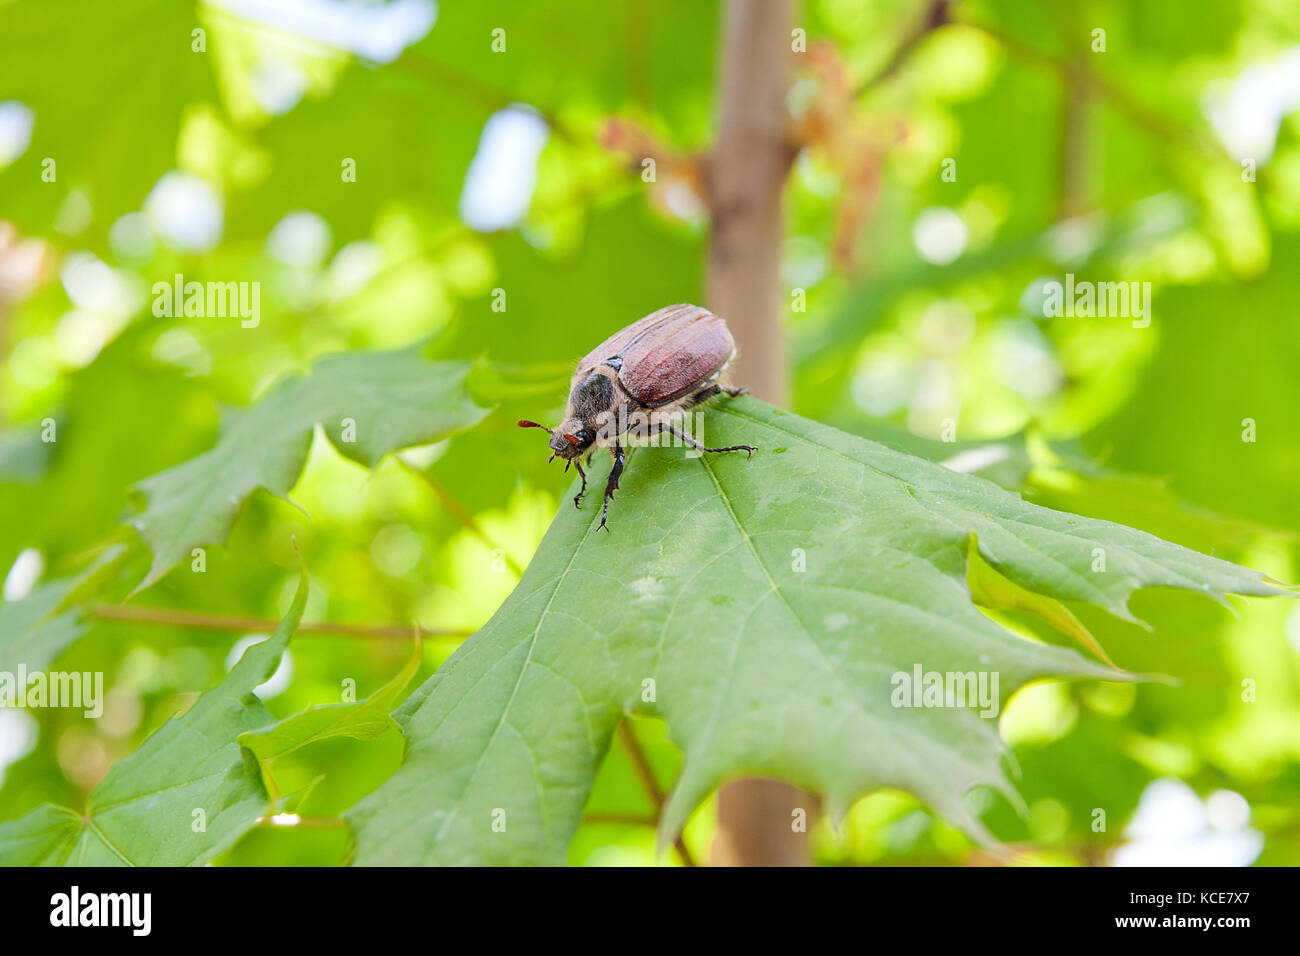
x,y
704,394
665,427
700,397
578,497
611,485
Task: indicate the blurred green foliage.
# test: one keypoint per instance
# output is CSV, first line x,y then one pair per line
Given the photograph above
x,y
1142,426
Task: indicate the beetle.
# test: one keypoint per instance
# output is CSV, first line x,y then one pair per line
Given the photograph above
x,y
657,367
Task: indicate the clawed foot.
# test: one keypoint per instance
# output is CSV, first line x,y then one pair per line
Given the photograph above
x,y
747,449
583,490
609,496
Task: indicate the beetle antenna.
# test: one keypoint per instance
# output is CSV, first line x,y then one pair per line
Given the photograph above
x,y
525,423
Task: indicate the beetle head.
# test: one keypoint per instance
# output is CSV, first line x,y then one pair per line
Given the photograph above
x,y
570,440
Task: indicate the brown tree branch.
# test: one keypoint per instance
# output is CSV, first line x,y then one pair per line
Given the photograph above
x,y
620,819
628,736
225,622
459,512
746,176
935,16
1135,111
304,823
1075,96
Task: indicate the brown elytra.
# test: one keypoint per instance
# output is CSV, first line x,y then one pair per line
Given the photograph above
x,y
666,363
667,354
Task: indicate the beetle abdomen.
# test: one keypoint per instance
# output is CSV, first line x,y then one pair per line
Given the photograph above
x,y
668,353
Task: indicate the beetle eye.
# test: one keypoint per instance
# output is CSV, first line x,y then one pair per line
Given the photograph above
x,y
572,439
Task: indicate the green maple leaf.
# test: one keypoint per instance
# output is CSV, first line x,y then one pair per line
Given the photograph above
x,y
143,812
33,631
369,403
36,629
768,603
360,720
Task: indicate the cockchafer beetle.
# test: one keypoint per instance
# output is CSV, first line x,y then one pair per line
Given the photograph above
x,y
638,379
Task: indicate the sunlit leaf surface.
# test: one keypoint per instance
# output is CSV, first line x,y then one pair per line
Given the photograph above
x,y
770,602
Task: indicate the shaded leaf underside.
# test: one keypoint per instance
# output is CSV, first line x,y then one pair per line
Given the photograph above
x,y
758,667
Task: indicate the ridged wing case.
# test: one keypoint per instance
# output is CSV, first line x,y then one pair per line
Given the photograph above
x,y
666,354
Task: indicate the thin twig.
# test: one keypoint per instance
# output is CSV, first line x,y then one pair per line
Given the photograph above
x,y
1075,96
415,62
459,512
647,775
282,821
935,16
748,170
227,622
629,819
1137,112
